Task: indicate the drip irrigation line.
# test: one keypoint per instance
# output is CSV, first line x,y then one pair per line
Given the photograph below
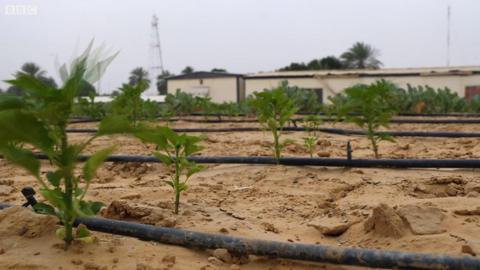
x,y
300,161
440,134
296,251
301,119
321,113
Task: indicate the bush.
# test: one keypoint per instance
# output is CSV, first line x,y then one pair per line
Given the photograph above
x,y
274,109
370,107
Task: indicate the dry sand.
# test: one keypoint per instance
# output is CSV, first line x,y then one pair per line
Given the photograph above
x,y
427,210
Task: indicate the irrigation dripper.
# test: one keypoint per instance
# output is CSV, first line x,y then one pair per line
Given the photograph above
x,y
29,194
349,151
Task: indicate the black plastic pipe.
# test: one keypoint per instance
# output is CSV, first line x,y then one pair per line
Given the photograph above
x,y
297,161
393,121
321,113
440,134
307,252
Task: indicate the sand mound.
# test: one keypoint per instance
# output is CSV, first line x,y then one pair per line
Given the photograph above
x,y
125,210
385,222
24,222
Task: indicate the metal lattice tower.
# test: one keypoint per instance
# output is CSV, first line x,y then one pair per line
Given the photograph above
x,y
156,61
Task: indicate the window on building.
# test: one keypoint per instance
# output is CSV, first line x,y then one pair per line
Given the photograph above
x,y
201,81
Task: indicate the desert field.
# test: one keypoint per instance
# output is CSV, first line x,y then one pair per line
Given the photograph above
x,y
419,210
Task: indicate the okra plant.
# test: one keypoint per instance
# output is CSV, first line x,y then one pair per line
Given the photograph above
x,y
370,107
173,149
37,122
312,123
274,109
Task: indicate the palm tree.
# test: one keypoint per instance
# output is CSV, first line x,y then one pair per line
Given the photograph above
x,y
137,75
34,70
361,55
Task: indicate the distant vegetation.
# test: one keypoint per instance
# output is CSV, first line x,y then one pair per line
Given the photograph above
x,y
359,56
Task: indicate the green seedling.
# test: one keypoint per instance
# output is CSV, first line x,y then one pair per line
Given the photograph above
x,y
312,123
37,122
274,109
370,107
310,142
173,150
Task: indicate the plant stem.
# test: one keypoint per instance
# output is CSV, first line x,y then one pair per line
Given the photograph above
x,y
276,145
371,136
176,183
69,213
177,201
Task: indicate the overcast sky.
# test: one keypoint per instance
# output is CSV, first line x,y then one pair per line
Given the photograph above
x,y
242,36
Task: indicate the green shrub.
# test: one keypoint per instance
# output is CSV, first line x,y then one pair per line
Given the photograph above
x,y
370,107
87,106
180,103
274,109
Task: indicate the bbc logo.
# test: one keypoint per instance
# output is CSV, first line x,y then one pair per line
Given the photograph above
x,y
21,10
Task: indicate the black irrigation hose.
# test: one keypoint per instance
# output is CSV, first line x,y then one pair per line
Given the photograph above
x,y
320,113
307,252
439,134
300,119
297,161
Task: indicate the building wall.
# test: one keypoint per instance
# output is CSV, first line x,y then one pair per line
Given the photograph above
x,y
222,89
331,86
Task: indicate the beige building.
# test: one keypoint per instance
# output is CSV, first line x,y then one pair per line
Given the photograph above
x,y
463,80
235,87
220,86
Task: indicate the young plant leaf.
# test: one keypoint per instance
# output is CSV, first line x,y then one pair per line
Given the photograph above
x,y
94,162
165,159
43,208
54,178
114,125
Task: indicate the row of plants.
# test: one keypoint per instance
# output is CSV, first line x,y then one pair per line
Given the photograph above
x,y
37,121
420,99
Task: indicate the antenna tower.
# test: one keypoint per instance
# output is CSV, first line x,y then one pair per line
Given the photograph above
x,y
156,61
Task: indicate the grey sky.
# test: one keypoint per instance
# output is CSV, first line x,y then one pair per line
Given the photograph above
x,y
239,35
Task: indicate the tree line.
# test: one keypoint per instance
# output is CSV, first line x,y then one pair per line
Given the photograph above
x,y
359,56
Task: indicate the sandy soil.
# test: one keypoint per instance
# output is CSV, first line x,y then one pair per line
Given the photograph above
x,y
424,210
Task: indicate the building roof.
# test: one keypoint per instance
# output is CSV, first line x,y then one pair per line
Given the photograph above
x,y
384,72
203,75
